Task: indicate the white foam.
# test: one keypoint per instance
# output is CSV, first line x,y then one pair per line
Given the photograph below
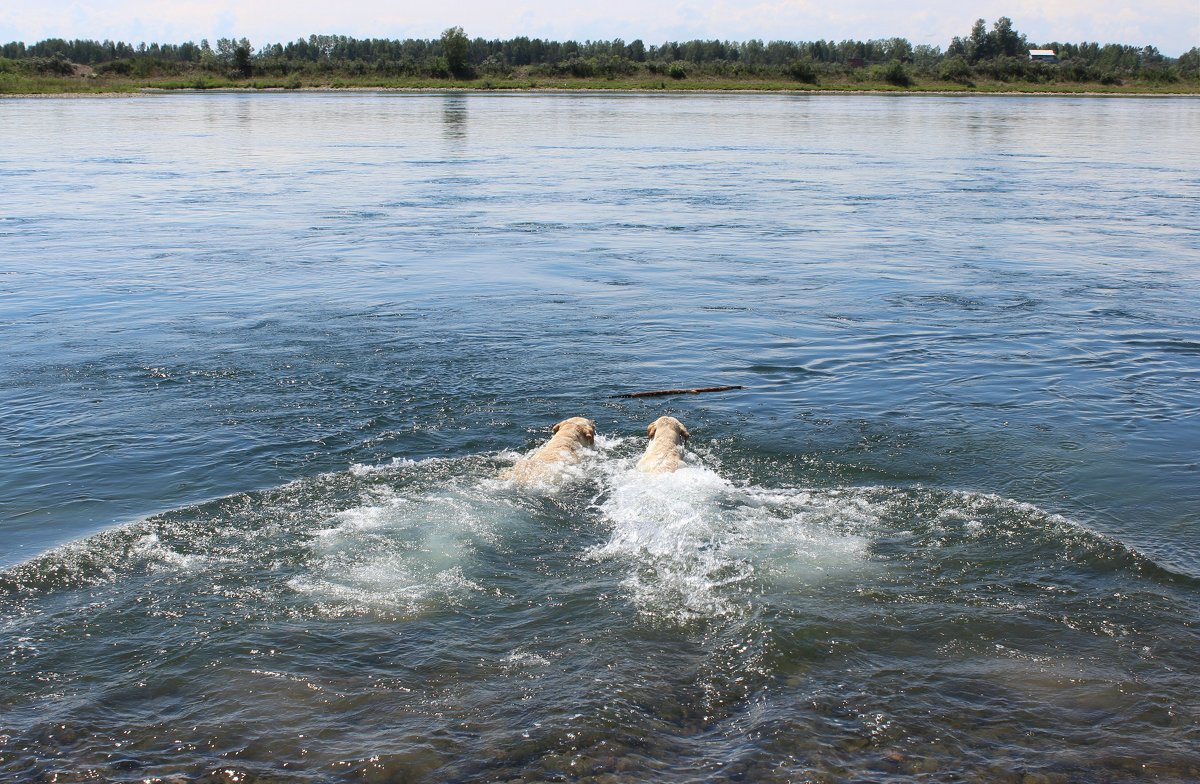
x,y
161,556
522,659
405,555
606,444
385,586
699,546
361,469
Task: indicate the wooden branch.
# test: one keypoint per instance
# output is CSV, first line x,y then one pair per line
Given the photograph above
x,y
660,392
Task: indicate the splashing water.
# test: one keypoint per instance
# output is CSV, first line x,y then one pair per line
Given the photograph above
x,y
698,601
700,547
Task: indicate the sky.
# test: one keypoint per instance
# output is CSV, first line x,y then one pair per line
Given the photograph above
x,y
1171,25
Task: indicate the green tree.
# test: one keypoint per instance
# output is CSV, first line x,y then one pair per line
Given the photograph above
x,y
979,45
897,49
803,70
926,57
1005,41
208,58
894,73
454,49
1189,63
955,69
241,58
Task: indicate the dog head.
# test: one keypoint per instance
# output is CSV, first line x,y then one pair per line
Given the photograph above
x,y
669,423
579,428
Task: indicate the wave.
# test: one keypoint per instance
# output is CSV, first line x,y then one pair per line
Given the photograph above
x,y
410,537
698,546
400,555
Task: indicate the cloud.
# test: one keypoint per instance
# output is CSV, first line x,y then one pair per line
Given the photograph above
x,y
1172,25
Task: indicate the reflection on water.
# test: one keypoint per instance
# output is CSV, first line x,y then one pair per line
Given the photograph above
x,y
265,357
454,117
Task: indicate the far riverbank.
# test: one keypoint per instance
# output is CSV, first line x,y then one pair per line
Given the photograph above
x,y
12,85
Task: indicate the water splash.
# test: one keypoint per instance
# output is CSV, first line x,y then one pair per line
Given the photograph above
x,y
698,546
404,553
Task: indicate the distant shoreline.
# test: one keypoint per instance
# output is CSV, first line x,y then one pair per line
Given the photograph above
x,y
997,61
159,91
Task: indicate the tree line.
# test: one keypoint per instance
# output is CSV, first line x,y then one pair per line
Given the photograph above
x,y
996,53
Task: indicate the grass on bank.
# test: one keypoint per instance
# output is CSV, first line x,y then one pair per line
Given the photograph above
x,y
24,84
16,83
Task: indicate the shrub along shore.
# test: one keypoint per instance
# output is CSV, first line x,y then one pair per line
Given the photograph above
x,y
61,86
985,61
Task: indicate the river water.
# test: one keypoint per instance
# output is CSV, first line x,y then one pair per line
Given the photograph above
x,y
264,357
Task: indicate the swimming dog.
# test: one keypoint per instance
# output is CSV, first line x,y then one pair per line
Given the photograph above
x,y
665,452
565,448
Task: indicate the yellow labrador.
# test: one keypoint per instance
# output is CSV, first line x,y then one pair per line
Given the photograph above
x,y
565,448
665,452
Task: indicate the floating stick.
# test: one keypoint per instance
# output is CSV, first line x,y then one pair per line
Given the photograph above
x,y
659,392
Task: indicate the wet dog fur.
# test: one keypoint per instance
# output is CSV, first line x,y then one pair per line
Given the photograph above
x,y
664,454
565,448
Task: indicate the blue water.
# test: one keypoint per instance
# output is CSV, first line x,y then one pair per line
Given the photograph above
x,y
264,356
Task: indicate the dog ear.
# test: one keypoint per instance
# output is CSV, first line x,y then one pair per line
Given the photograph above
x,y
556,427
684,432
650,430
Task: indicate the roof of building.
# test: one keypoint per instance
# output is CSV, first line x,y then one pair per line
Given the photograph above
x,y
1049,52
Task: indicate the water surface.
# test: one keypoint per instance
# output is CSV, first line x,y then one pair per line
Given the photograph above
x,y
264,356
